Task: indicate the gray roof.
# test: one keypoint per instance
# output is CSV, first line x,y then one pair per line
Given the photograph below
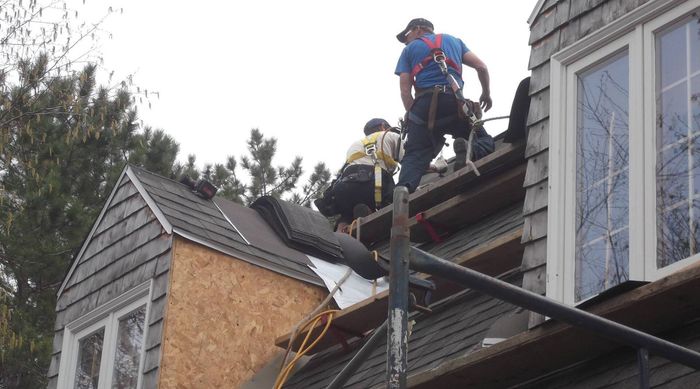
x,y
224,226
454,329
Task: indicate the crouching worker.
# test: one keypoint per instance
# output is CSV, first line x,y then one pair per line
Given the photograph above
x,y
365,183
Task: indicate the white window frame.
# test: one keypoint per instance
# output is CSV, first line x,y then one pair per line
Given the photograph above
x,y
106,316
633,33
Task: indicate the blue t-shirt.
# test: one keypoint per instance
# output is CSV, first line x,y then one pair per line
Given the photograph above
x,y
431,75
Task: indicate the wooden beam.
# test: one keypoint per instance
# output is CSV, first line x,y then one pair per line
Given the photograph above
x,y
473,205
652,308
376,227
494,257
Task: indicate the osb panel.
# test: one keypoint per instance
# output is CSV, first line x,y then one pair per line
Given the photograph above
x,y
223,316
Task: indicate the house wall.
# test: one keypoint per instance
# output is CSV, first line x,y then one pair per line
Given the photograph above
x,y
223,316
558,24
128,248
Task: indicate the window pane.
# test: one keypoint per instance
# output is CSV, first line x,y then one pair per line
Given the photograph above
x,y
129,346
672,51
602,184
678,158
87,374
673,115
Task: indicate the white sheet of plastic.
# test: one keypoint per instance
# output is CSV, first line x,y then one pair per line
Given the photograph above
x,y
353,290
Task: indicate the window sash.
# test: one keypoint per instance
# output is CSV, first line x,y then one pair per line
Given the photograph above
x,y
106,316
678,144
655,147
601,253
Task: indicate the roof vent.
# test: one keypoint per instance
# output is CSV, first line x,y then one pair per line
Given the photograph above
x,y
205,189
201,188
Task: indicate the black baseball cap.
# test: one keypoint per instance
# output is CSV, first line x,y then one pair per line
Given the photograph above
x,y
419,22
373,125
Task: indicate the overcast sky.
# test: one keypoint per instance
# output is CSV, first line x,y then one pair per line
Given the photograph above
x,y
309,73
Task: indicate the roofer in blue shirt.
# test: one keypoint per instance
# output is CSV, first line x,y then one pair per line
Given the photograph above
x,y
435,111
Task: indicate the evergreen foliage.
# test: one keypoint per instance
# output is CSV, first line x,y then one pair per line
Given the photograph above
x,y
64,143
265,178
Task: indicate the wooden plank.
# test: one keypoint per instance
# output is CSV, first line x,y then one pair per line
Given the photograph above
x,y
549,21
540,78
117,231
125,191
592,21
494,257
535,226
537,169
569,33
535,198
150,379
152,359
539,107
535,254
543,49
537,138
376,227
120,211
534,280
472,205
652,308
155,334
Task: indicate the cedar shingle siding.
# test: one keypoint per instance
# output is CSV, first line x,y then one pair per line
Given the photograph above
x,y
128,247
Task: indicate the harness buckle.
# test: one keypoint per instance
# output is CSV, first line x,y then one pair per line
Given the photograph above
x,y
371,149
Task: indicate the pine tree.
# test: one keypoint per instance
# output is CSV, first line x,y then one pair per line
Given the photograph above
x,y
265,178
64,143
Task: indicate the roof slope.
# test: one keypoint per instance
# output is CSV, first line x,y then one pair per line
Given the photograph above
x,y
215,225
455,328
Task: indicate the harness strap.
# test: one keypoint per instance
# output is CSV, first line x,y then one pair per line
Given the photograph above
x,y
434,47
371,150
377,186
432,111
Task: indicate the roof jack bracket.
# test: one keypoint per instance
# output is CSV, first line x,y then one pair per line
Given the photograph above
x,y
420,218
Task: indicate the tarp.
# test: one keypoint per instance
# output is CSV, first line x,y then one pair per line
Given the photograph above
x,y
353,290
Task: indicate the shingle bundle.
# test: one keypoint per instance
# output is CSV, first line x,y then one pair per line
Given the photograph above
x,y
300,227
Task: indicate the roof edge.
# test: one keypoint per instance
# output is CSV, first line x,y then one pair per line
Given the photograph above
x,y
246,258
127,171
535,12
149,200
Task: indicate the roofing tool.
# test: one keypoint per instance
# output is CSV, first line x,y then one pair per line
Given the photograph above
x,y
439,57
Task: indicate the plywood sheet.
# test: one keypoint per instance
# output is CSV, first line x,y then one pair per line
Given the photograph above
x,y
223,316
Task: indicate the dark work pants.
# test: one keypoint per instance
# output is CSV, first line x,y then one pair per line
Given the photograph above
x,y
422,144
349,193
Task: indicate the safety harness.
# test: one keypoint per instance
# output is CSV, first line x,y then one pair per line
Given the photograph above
x,y
435,49
438,56
377,154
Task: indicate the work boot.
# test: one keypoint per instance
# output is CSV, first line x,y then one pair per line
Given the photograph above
x,y
360,210
460,147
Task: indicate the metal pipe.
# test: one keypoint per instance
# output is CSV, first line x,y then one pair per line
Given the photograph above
x,y
378,335
397,337
430,264
643,362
